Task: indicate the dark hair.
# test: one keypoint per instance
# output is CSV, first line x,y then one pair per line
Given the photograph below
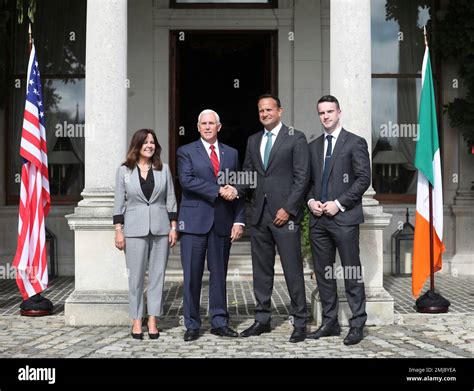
x,y
138,139
329,98
270,96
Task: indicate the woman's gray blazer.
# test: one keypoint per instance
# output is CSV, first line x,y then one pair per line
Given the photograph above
x,y
140,215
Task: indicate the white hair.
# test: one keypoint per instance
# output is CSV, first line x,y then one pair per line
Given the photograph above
x,y
209,111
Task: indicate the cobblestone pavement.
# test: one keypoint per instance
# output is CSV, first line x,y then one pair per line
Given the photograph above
x,y
412,335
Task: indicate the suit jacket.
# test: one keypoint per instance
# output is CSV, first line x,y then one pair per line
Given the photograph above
x,y
284,183
201,206
349,176
143,216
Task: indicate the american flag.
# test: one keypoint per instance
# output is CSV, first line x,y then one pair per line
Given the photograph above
x,y
30,258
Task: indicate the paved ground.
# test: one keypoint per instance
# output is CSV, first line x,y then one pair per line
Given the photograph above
x,y
413,335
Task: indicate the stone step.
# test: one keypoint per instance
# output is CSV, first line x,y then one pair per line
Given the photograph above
x,y
240,263
240,267
241,247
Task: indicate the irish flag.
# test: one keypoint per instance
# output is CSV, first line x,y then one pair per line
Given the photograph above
x,y
428,163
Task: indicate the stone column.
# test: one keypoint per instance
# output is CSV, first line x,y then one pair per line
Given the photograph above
x,y
3,161
350,82
307,66
100,295
463,260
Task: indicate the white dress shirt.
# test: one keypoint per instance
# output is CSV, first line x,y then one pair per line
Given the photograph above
x,y
335,136
208,149
274,133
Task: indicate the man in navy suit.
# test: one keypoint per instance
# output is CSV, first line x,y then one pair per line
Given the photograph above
x,y
210,219
340,175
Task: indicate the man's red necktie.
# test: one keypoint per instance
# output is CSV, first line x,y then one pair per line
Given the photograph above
x,y
214,159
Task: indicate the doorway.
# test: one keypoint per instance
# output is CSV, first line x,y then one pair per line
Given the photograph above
x,y
225,71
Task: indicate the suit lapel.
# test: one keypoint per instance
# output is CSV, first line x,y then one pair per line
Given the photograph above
x,y
257,150
223,164
339,144
320,154
202,151
282,135
157,177
136,184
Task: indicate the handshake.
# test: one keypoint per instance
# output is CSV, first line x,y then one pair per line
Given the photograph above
x,y
228,193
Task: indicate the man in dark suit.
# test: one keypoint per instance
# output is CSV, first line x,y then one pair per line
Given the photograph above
x,y
279,155
210,219
340,175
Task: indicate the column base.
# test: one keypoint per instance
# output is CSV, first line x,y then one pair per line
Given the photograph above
x,y
97,309
379,307
462,261
460,264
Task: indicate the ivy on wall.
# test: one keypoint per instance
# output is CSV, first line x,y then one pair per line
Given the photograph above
x,y
7,9
28,6
455,40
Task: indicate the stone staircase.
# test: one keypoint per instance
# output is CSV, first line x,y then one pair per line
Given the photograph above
x,y
240,263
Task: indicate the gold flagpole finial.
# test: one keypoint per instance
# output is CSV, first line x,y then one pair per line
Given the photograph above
x,y
424,32
30,35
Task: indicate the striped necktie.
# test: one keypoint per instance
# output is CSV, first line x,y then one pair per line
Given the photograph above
x,y
214,159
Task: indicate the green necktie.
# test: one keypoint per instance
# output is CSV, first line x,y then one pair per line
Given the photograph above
x,y
268,148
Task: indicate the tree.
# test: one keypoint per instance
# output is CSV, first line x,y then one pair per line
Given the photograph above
x,y
455,41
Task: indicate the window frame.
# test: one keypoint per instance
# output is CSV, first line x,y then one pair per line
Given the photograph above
x,y
403,198
14,199
11,199
271,4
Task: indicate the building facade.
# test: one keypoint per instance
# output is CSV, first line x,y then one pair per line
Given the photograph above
x,y
158,63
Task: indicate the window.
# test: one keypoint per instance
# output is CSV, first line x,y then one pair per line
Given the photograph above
x,y
224,4
59,36
397,55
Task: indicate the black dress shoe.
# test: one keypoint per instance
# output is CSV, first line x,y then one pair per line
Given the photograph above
x,y
326,331
136,335
256,329
298,334
191,335
355,335
154,335
224,331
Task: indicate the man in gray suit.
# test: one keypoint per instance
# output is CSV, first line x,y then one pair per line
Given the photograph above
x,y
340,175
279,155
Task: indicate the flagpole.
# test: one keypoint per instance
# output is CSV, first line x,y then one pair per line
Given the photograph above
x,y
431,238
36,305
430,301
431,209
30,37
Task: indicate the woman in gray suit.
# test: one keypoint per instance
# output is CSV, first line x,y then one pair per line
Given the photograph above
x,y
145,225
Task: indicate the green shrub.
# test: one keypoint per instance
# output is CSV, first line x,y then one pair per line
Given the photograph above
x,y
305,243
